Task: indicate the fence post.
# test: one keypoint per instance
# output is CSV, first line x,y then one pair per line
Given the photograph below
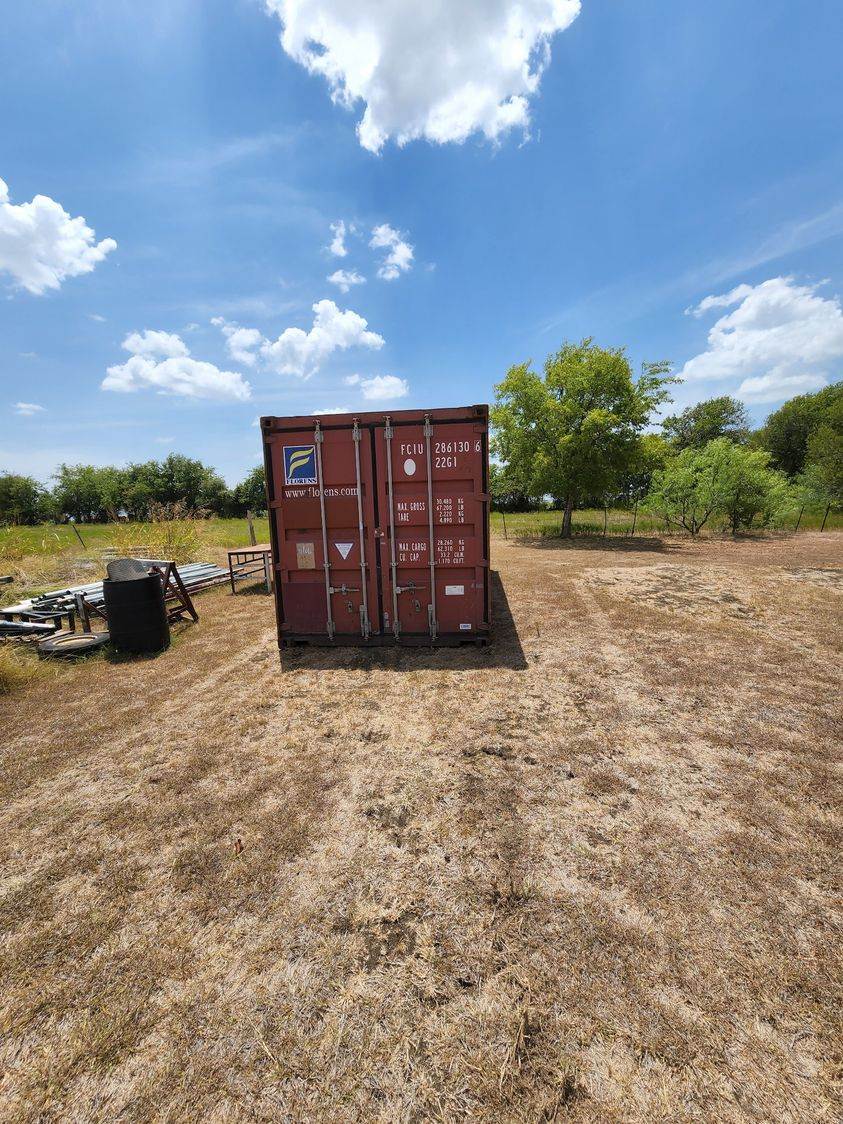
x,y
827,510
634,516
605,520
503,516
75,528
252,538
799,520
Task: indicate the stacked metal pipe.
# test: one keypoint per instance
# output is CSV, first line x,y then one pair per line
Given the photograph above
x,y
195,575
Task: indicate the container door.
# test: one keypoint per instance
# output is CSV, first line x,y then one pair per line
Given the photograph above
x,y
322,484
432,504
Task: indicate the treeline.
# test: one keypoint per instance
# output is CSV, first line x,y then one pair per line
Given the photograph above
x,y
90,494
577,435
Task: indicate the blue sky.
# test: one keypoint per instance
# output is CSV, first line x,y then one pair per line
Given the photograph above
x,y
666,153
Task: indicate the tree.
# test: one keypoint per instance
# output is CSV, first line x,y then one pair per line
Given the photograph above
x,y
576,430
822,480
506,493
250,494
706,421
22,499
721,480
176,479
652,455
88,493
787,431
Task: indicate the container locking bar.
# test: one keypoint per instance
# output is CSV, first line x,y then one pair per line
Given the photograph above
x,y
431,612
317,439
364,608
387,433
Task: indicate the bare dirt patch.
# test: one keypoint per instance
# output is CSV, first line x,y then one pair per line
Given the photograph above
x,y
590,874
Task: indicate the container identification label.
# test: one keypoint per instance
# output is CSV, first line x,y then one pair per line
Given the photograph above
x,y
305,556
299,464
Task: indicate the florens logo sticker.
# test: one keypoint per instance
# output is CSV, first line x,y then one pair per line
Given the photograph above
x,y
300,464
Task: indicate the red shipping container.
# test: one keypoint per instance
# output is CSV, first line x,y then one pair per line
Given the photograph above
x,y
379,525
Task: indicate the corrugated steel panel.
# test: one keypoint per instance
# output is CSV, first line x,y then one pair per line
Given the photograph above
x,y
379,526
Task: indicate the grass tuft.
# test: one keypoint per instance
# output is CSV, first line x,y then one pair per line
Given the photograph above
x,y
18,667
173,534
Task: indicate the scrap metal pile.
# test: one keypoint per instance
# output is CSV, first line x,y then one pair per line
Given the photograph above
x,y
43,615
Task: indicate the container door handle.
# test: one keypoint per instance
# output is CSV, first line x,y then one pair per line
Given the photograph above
x,y
317,440
428,434
387,434
364,608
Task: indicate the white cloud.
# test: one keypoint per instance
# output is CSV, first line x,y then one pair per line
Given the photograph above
x,y
41,245
441,69
725,300
337,246
165,345
27,409
400,256
380,388
332,410
297,352
240,342
96,316
162,362
775,388
779,340
345,278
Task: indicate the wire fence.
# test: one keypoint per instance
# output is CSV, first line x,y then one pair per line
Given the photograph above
x,y
622,522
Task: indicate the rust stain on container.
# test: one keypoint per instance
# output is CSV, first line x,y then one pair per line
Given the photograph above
x,y
379,525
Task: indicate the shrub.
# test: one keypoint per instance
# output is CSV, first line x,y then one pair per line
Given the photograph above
x,y
720,481
172,534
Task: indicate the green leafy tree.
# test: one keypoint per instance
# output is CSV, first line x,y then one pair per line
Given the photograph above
x,y
720,481
788,430
22,500
89,493
822,480
706,421
506,492
652,454
575,431
176,479
250,494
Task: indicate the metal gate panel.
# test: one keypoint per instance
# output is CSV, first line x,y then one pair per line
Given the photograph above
x,y
320,551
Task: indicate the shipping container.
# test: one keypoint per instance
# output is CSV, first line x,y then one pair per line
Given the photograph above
x,y
379,525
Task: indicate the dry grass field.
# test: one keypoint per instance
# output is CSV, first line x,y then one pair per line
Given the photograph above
x,y
589,874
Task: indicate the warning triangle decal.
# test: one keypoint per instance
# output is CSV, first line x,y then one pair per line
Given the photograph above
x,y
344,548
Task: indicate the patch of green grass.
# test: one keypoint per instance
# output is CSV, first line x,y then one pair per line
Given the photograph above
x,y
55,538
590,521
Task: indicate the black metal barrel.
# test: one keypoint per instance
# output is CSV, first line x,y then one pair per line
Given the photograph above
x,y
137,618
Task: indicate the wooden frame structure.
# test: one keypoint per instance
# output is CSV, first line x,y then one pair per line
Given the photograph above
x,y
249,562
